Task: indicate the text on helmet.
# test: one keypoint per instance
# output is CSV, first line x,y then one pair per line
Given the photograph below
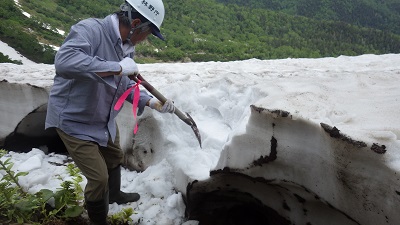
x,y
149,6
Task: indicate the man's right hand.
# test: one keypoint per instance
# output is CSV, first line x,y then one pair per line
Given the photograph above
x,y
167,107
128,67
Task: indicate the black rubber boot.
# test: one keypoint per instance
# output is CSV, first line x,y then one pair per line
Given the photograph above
x,y
97,211
114,186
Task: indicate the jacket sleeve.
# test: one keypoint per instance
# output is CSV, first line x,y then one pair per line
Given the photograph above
x,y
76,57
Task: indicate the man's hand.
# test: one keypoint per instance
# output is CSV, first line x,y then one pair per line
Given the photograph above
x,y
167,107
128,67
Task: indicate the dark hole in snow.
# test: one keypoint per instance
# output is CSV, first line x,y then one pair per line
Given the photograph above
x,y
229,197
30,133
24,143
233,207
221,201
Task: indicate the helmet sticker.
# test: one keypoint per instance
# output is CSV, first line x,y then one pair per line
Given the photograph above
x,y
149,6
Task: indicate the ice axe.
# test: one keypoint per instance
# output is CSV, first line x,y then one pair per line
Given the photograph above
x,y
185,118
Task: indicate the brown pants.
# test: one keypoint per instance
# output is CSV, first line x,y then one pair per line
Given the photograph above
x,y
93,161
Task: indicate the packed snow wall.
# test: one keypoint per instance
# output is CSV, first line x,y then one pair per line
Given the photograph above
x,y
306,173
23,114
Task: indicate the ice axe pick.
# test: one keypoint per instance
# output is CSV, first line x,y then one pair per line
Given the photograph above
x,y
185,118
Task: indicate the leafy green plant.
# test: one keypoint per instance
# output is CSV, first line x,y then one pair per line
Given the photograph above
x,y
75,172
15,204
45,206
123,217
67,199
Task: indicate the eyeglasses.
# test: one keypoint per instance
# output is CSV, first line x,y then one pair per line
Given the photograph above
x,y
144,27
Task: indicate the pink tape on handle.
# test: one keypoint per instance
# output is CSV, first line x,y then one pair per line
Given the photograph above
x,y
136,97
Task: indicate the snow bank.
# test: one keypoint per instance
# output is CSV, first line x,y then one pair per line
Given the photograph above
x,y
309,138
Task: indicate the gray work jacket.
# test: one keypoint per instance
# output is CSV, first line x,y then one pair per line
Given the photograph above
x,y
81,103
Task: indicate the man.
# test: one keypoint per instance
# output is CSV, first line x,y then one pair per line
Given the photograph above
x,y
92,69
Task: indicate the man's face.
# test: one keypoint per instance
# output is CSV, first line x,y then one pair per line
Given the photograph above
x,y
140,34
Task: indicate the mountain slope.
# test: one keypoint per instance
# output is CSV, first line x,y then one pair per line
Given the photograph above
x,y
204,30
379,14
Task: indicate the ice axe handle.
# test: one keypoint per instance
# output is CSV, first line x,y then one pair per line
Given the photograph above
x,y
160,97
185,118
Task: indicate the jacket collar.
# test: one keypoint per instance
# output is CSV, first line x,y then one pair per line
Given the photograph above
x,y
111,25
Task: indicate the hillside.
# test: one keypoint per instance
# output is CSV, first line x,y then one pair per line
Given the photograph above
x,y
218,32
383,15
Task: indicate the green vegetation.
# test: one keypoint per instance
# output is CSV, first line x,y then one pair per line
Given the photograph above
x,y
6,59
230,32
123,217
19,206
383,15
16,205
23,34
207,30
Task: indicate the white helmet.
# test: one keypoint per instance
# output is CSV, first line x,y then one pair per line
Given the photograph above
x,y
153,10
